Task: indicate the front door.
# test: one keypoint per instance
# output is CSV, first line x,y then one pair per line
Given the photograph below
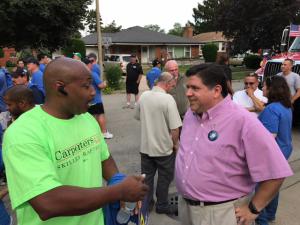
x,y
145,54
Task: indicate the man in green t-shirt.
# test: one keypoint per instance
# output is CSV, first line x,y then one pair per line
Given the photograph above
x,y
55,156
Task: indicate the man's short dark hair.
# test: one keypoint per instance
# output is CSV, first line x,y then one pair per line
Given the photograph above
x,y
32,60
40,56
92,55
290,60
211,75
20,93
252,75
86,61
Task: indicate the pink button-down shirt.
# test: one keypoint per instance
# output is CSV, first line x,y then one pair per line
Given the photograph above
x,y
229,167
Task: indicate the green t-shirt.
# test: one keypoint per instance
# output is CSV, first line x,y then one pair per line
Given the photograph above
x,y
42,152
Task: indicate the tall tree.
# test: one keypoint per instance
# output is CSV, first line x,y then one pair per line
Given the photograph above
x,y
177,30
111,27
40,24
90,23
154,27
252,24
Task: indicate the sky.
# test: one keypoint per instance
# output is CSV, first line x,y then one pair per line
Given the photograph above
x,y
143,12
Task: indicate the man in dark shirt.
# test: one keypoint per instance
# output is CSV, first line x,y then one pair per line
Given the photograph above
x,y
134,73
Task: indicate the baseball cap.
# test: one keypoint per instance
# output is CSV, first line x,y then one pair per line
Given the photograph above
x,y
87,61
77,54
155,62
19,72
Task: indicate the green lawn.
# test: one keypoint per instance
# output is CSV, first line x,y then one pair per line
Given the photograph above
x,y
239,72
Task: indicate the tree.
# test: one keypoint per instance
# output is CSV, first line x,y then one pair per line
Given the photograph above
x,y
154,27
177,30
112,28
40,24
204,16
90,23
251,24
74,45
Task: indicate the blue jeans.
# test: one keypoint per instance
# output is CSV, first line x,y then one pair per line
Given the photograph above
x,y
4,216
268,213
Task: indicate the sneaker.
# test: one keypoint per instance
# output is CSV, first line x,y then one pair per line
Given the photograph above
x,y
170,209
108,135
127,106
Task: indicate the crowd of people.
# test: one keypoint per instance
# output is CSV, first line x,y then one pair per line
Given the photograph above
x,y
194,129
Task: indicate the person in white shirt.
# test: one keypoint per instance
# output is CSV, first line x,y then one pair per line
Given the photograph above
x,y
251,97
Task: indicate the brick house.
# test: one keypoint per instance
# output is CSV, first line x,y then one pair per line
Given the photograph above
x,y
9,55
147,44
213,37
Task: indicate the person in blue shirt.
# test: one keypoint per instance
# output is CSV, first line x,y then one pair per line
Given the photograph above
x,y
36,74
43,61
277,118
95,66
96,106
154,73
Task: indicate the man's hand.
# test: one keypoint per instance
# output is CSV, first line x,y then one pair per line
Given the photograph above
x,y
244,216
133,189
250,91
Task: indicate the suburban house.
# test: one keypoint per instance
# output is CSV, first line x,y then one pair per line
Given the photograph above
x,y
146,44
213,37
9,55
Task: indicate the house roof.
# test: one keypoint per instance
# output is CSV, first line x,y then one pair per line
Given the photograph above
x,y
140,35
211,37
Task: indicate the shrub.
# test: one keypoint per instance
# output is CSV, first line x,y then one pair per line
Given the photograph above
x,y
252,61
10,64
75,45
113,76
209,52
107,91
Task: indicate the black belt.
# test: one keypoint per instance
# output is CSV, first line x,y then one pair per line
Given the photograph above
x,y
202,203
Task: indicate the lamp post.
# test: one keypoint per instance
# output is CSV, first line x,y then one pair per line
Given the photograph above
x,y
99,36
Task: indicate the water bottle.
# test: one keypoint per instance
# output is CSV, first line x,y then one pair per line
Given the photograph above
x,y
123,215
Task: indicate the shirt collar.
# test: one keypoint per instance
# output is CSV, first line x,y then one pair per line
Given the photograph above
x,y
219,107
158,89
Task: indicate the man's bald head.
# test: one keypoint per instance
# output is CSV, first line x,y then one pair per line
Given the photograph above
x,y
64,70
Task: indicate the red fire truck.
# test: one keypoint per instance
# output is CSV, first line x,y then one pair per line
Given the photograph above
x,y
292,51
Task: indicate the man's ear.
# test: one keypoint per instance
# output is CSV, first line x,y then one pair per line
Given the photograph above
x,y
22,104
218,91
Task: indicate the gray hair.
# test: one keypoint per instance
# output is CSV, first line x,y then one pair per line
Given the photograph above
x,y
165,77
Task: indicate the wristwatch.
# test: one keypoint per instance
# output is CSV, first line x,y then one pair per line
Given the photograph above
x,y
252,208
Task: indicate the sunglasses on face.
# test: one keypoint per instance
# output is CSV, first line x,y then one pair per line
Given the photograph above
x,y
248,83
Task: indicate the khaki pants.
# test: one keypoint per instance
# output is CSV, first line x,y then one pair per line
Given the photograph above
x,y
221,214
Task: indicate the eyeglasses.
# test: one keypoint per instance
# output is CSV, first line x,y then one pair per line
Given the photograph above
x,y
248,83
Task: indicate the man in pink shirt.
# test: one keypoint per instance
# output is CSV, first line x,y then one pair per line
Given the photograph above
x,y
224,152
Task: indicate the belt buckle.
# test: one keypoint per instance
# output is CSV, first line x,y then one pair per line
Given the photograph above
x,y
202,204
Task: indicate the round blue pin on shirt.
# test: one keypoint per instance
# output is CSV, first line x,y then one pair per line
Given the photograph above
x,y
213,135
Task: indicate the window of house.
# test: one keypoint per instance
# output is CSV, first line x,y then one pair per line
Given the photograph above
x,y
170,50
187,51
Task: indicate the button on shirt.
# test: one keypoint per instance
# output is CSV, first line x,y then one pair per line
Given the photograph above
x,y
229,167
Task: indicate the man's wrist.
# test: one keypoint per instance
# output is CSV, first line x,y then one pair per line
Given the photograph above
x,y
253,208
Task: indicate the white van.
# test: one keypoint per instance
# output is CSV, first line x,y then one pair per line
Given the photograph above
x,y
121,59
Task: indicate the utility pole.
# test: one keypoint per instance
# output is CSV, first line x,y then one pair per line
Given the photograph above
x,y
99,37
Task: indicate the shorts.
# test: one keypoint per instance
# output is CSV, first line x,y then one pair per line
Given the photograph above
x,y
96,109
132,87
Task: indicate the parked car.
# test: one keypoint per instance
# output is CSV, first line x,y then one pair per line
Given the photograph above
x,y
237,60
117,59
